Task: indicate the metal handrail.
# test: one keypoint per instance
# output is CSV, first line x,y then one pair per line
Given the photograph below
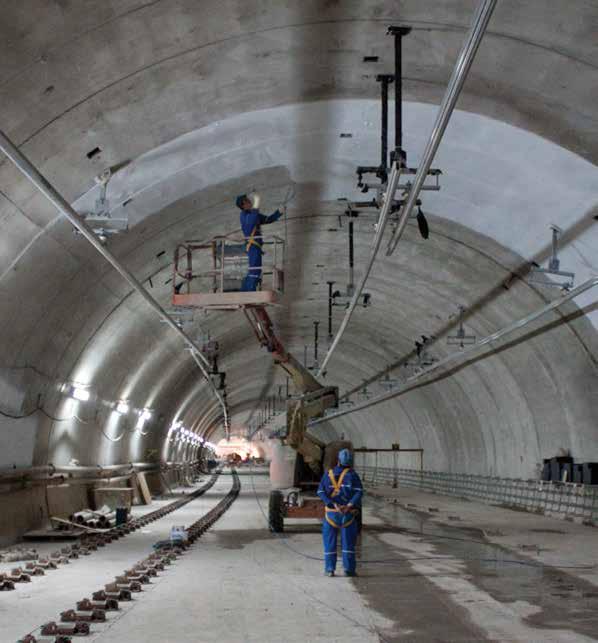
x,y
217,247
412,382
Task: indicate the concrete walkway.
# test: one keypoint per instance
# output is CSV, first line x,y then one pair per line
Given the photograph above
x,y
420,580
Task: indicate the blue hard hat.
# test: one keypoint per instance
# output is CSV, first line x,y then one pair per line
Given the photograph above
x,y
345,457
239,201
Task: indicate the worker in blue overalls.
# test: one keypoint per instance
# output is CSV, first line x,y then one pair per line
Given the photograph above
x,y
341,491
251,220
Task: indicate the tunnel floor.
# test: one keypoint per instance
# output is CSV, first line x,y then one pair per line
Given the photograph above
x,y
418,581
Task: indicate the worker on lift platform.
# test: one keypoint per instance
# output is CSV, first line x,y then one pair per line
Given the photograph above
x,y
341,491
251,221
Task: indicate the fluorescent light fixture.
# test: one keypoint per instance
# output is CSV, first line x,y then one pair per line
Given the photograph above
x,y
80,393
122,407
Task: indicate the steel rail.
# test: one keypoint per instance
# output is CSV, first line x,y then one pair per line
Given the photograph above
x,y
393,181
24,165
476,32
412,382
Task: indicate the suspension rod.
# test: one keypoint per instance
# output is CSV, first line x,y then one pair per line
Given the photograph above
x,y
32,174
466,57
412,382
393,181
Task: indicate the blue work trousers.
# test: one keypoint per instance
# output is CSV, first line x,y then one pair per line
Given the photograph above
x,y
348,541
254,274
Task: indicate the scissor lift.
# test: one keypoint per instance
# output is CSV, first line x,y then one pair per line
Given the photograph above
x,y
209,274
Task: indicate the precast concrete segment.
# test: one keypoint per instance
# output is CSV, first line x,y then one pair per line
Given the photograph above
x,y
91,541
42,601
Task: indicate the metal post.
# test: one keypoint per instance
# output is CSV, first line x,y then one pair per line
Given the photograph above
x,y
189,269
398,33
316,324
351,284
41,183
476,32
330,302
384,80
222,267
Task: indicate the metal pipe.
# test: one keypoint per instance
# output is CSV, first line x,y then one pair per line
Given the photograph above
x,y
412,381
69,473
384,81
382,221
398,33
476,32
330,302
316,325
351,284
398,95
41,183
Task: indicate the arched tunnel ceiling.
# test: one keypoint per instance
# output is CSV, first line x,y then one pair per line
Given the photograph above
x,y
209,100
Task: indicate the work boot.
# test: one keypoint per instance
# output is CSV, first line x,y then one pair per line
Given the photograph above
x,y
329,574
350,573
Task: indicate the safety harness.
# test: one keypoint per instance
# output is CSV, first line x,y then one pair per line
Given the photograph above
x,y
252,241
336,489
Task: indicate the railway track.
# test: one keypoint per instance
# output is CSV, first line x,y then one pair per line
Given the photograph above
x,y
93,541
95,610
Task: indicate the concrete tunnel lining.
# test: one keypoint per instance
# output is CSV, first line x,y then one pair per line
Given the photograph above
x,y
193,103
542,156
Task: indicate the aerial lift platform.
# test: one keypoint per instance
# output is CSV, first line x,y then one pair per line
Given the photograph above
x,y
208,275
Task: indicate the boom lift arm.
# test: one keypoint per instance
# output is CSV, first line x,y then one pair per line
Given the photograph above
x,y
314,400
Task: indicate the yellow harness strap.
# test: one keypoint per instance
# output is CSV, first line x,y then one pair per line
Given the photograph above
x,y
336,485
336,489
252,240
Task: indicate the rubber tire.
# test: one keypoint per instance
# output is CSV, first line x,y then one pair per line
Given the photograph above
x,y
276,512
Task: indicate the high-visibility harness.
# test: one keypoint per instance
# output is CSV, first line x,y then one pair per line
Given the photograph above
x,y
336,489
252,241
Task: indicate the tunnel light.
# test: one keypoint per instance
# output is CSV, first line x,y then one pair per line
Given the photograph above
x,y
77,392
122,408
144,416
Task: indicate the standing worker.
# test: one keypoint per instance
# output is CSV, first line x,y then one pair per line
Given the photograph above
x,y
341,491
251,220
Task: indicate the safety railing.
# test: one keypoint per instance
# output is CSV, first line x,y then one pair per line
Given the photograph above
x,y
571,501
220,264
